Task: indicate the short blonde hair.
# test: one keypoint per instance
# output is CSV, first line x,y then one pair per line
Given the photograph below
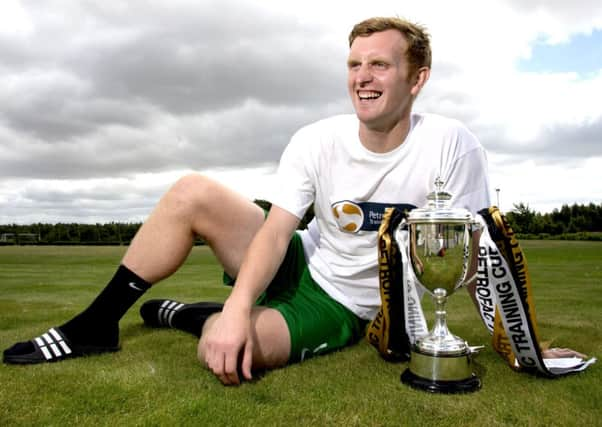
x,y
419,45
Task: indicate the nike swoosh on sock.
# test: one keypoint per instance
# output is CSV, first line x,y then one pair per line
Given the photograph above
x,y
133,286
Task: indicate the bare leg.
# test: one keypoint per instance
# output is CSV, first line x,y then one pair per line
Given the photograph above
x,y
195,205
199,206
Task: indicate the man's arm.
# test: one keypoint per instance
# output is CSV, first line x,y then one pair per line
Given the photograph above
x,y
231,335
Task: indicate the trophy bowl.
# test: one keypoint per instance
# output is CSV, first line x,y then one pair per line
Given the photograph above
x,y
440,257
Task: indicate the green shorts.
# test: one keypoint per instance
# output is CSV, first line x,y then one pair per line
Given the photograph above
x,y
316,322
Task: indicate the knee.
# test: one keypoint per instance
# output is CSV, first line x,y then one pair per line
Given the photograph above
x,y
191,190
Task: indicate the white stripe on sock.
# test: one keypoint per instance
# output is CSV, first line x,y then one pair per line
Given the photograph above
x,y
164,311
169,317
174,311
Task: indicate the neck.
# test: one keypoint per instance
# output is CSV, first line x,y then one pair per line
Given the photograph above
x,y
385,139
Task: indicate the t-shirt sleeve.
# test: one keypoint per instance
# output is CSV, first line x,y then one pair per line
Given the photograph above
x,y
296,175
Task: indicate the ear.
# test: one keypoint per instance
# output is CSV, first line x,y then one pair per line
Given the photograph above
x,y
420,79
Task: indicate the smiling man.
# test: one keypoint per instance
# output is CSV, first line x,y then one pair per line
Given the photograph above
x,y
383,82
351,167
297,293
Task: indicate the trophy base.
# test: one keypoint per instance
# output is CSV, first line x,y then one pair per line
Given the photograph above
x,y
443,373
468,385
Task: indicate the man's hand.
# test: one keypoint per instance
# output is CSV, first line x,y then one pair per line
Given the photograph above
x,y
556,353
227,342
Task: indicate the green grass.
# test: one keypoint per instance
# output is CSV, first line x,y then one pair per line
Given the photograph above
x,y
156,380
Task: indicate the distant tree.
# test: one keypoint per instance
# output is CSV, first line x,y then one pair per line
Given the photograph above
x,y
522,219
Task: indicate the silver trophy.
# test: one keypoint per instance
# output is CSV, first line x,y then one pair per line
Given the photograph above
x,y
441,257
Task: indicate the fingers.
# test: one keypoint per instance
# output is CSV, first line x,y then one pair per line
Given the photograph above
x,y
229,363
224,366
230,374
222,343
247,361
555,353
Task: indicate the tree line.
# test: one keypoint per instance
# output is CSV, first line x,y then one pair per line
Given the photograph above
x,y
582,222
568,222
113,233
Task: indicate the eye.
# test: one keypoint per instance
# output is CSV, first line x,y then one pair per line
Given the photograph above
x,y
380,65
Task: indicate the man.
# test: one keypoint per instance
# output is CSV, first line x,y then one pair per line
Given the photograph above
x,y
317,288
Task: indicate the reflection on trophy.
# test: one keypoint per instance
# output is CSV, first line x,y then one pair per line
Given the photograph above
x,y
441,255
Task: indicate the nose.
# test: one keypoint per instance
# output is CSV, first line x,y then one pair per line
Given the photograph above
x,y
363,74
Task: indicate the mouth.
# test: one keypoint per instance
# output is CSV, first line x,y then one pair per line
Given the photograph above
x,y
368,95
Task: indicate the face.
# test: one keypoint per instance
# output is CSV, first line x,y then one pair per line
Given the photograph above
x,y
378,80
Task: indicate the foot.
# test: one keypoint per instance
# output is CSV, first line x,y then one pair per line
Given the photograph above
x,y
165,313
53,346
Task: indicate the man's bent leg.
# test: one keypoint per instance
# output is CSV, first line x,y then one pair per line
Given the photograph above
x,y
195,205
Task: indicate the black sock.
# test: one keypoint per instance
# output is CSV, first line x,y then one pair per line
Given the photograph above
x,y
192,317
99,323
161,313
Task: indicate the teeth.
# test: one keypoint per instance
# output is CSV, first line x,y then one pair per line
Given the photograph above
x,y
368,95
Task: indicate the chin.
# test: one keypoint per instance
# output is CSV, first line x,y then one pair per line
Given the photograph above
x,y
365,113
367,118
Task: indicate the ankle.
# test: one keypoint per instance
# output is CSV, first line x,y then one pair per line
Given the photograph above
x,y
91,332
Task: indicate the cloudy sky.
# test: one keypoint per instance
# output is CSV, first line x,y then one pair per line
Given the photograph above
x,y
104,104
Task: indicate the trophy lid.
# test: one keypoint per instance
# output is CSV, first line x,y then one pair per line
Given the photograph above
x,y
438,210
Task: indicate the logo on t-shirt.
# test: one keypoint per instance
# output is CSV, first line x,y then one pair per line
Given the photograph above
x,y
352,217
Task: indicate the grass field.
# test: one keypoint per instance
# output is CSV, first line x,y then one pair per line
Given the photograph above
x,y
156,380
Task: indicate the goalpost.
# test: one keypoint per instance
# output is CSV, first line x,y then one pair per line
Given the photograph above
x,y
19,238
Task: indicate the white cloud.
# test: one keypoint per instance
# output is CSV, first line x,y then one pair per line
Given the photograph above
x,y
106,101
540,185
14,20
125,199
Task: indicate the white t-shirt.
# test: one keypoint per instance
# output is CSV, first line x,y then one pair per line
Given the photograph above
x,y
350,186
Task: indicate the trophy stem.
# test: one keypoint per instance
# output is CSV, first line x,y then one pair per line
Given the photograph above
x,y
440,328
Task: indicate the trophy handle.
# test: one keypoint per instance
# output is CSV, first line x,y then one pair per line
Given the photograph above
x,y
475,229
